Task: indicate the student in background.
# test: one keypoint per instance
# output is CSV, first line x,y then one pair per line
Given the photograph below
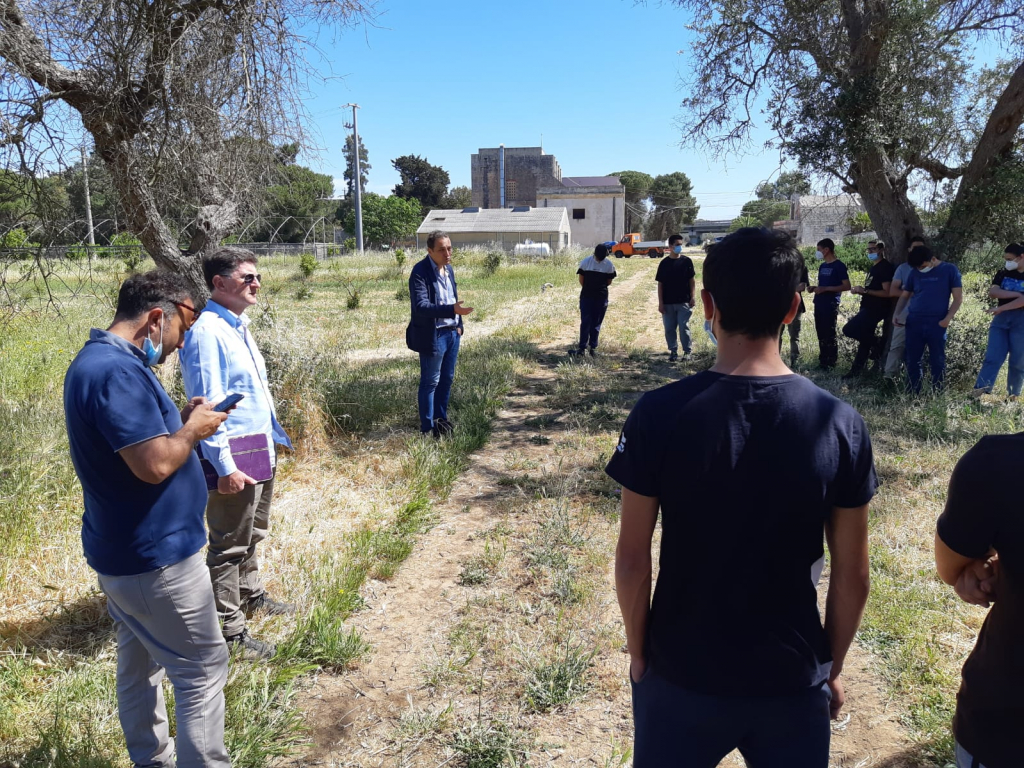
x,y
794,327
833,279
596,274
875,308
676,286
933,294
1006,334
893,355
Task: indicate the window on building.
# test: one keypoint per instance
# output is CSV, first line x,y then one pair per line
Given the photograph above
x,y
510,191
579,213
830,229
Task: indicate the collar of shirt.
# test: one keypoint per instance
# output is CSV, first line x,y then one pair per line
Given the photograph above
x,y
106,337
235,321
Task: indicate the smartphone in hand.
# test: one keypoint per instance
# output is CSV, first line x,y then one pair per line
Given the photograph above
x,y
228,402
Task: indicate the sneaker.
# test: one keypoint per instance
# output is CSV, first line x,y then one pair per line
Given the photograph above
x,y
249,647
672,356
574,352
979,391
268,606
444,427
593,352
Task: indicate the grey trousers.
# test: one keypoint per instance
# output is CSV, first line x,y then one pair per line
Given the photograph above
x,y
166,623
677,316
794,339
897,350
237,523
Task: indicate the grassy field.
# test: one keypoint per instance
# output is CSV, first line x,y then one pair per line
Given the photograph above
x,y
537,635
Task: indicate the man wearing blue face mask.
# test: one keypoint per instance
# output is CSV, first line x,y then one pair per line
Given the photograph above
x,y
142,528
676,286
833,279
875,308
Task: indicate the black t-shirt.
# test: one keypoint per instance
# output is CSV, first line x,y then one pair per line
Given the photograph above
x,y
983,512
806,280
747,471
1008,280
882,272
675,275
596,275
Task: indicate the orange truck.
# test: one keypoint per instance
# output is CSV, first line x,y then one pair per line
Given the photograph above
x,y
632,244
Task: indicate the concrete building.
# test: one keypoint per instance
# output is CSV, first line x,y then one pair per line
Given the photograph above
x,y
502,227
819,216
596,206
518,171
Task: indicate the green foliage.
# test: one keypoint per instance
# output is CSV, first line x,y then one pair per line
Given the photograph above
x,y
402,294
297,199
784,187
491,262
489,745
765,212
560,679
349,244
385,219
350,165
308,265
14,238
400,257
860,223
743,221
261,721
638,194
674,204
421,181
853,253
457,198
352,302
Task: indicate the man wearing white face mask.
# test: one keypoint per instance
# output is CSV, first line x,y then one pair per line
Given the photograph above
x,y
1006,334
833,279
676,285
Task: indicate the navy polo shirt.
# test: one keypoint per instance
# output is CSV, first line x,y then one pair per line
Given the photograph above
x,y
831,276
113,401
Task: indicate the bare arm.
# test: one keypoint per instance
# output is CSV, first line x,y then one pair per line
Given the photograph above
x,y
847,535
996,292
895,289
633,572
661,299
580,278
1015,304
881,293
154,460
958,299
693,291
901,305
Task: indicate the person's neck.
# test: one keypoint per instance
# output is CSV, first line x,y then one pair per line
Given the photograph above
x,y
227,304
829,258
742,356
434,261
674,255
133,333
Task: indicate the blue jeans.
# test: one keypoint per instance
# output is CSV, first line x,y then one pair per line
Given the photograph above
x,y
591,316
678,728
965,759
1005,337
925,332
436,375
677,316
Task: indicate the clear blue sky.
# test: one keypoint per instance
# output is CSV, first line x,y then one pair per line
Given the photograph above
x,y
600,79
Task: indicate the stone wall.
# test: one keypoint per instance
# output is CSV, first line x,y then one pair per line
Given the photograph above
x,y
526,170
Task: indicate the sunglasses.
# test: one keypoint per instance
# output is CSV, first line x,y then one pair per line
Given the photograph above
x,y
191,309
250,278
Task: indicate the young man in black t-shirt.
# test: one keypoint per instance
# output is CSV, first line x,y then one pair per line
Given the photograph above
x,y
979,550
875,307
833,279
676,284
732,653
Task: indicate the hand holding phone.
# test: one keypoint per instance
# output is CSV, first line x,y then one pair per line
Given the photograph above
x,y
228,403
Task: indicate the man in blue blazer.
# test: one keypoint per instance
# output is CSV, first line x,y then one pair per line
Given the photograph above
x,y
435,331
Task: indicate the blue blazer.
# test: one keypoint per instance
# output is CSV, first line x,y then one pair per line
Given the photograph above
x,y
421,335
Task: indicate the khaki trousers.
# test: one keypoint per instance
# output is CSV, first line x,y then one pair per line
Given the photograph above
x,y
237,523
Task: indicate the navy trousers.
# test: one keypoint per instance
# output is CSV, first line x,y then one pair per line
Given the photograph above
x,y
591,316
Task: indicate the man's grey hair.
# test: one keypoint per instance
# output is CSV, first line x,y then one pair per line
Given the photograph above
x,y
434,236
224,261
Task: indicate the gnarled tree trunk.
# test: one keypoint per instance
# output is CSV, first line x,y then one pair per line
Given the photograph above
x,y
885,196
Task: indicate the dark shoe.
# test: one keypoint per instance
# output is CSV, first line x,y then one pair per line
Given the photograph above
x,y
444,427
249,647
268,606
593,352
672,356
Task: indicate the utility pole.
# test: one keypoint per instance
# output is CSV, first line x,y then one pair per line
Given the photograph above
x,y
357,181
91,239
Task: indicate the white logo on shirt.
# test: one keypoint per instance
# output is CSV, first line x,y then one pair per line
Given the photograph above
x,y
621,447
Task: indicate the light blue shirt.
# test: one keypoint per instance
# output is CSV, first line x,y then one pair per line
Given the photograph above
x,y
220,358
445,294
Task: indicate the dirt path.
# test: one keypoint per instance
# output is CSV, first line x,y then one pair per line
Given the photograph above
x,y
363,718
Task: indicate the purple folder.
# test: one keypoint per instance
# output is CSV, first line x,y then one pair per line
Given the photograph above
x,y
251,454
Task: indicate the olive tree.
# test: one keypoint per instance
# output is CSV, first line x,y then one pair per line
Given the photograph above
x,y
876,95
184,101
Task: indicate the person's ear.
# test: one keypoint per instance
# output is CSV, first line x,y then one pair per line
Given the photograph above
x,y
154,318
708,303
794,308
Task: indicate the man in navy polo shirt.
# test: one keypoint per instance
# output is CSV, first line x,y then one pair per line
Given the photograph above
x,y
142,530
732,653
928,291
833,279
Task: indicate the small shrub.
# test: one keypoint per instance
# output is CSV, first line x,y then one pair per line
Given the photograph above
x,y
491,262
353,299
304,292
14,238
308,265
350,244
402,294
491,745
400,257
559,680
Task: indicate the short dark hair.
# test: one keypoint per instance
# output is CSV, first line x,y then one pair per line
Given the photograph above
x,y
434,236
600,251
156,289
918,239
919,255
827,243
752,275
676,238
224,261
1015,248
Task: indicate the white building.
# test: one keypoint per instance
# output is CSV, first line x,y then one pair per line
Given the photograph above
x,y
499,227
596,206
816,217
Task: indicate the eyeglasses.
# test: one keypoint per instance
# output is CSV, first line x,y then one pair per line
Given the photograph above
x,y
191,309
